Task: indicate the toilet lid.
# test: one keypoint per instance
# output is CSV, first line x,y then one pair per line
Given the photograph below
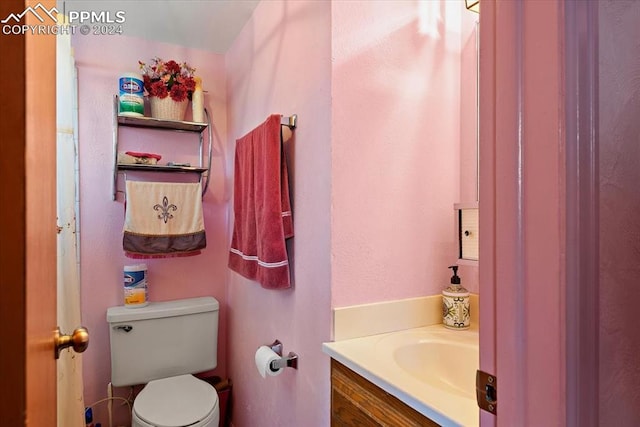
x,y
175,401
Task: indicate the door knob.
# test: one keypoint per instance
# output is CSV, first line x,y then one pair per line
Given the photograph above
x,y
79,340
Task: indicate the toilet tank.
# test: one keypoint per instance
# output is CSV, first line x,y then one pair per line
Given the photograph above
x,y
163,339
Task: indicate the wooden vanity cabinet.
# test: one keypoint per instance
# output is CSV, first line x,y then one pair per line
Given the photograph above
x,y
358,402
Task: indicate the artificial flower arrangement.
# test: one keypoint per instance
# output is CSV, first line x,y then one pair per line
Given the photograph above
x,y
168,78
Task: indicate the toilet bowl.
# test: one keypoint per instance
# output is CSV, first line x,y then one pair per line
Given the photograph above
x,y
176,402
161,345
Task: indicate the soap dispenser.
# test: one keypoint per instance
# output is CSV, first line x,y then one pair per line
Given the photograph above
x,y
455,304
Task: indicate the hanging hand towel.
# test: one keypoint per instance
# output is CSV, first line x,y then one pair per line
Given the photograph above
x,y
262,210
163,219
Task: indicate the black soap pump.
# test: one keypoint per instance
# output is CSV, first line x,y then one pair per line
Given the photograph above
x,y
455,304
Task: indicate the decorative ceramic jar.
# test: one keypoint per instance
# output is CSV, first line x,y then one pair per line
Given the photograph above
x,y
455,304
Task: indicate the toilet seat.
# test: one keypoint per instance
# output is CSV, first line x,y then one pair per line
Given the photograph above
x,y
176,402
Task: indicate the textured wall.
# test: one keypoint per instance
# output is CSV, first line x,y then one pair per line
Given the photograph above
x,y
619,207
100,60
280,63
395,147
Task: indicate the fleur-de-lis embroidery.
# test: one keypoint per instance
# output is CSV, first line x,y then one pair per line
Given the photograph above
x,y
165,208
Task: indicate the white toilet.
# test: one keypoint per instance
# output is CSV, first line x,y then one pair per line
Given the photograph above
x,y
161,345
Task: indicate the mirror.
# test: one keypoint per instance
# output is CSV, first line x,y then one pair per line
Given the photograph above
x,y
467,226
469,112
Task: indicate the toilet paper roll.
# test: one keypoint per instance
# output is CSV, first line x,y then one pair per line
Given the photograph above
x,y
264,357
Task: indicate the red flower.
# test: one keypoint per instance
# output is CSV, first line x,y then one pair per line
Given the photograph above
x,y
188,82
172,67
162,79
158,89
178,93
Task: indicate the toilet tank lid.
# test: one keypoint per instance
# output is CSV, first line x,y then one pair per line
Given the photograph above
x,y
156,310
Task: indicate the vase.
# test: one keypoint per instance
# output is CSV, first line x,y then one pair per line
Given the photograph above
x,y
167,108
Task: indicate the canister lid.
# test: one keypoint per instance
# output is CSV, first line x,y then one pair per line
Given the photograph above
x,y
131,75
137,267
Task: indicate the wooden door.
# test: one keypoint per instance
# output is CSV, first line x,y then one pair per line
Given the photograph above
x,y
538,211
523,199
28,225
41,227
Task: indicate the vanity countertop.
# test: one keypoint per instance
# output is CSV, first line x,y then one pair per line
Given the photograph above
x,y
431,369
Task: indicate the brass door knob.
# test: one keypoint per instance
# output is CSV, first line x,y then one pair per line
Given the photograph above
x,y
79,340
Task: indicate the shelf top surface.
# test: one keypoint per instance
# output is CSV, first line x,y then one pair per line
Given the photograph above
x,y
152,123
160,168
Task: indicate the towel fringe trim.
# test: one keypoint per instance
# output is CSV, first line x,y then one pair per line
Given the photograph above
x,y
260,262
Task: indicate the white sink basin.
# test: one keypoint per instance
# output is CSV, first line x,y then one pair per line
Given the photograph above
x,y
431,369
449,366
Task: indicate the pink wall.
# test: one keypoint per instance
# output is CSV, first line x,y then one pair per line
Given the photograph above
x,y
375,173
100,60
280,63
619,58
395,147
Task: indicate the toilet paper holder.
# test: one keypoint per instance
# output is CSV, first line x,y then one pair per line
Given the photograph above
x,y
289,361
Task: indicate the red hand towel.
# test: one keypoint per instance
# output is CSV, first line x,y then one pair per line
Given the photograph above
x,y
150,155
262,209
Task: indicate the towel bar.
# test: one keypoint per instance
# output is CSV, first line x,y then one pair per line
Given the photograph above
x,y
291,121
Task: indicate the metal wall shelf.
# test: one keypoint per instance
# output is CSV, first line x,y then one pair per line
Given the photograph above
x,y
160,168
163,125
152,123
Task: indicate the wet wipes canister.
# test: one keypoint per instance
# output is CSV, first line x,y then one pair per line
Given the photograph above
x,y
131,95
135,286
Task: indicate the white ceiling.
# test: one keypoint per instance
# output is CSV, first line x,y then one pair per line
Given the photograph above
x,y
203,24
